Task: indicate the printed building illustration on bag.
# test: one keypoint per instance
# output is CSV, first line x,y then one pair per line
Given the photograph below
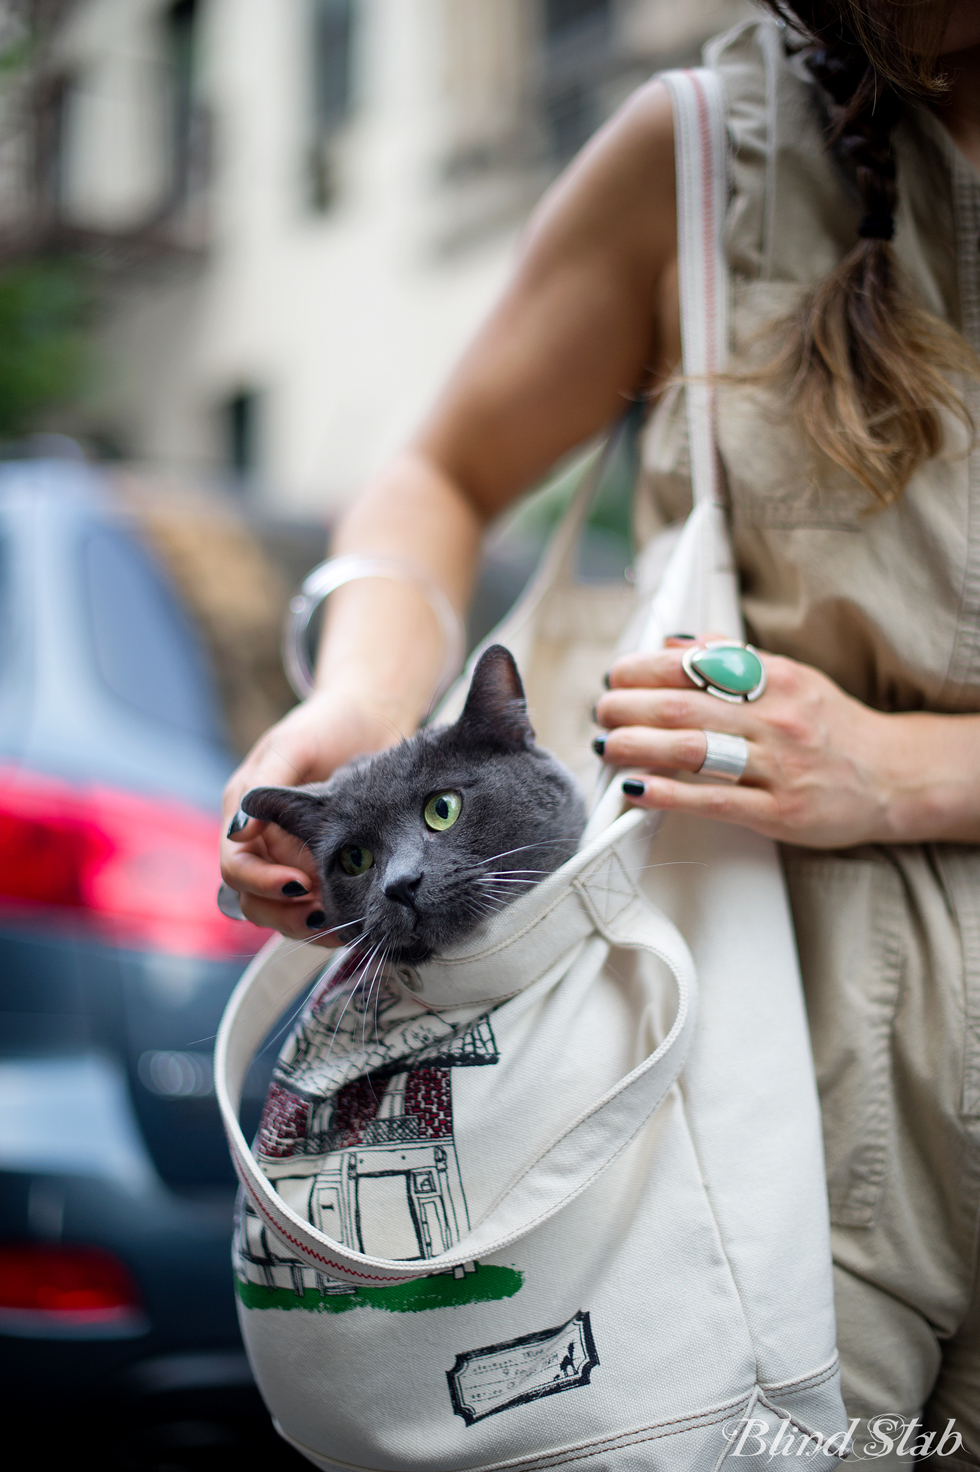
x,y
372,1163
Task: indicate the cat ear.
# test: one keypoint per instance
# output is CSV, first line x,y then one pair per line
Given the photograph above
x,y
495,712
299,810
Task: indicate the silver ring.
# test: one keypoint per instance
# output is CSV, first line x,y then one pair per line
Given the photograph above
x,y
726,756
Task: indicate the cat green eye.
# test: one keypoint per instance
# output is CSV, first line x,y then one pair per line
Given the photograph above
x,y
442,811
355,859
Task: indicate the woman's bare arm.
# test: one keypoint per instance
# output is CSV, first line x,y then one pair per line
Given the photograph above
x,y
591,310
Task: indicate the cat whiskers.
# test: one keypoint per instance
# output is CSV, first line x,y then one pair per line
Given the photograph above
x,y
382,953
328,930
354,987
271,1005
374,963
377,984
523,848
516,879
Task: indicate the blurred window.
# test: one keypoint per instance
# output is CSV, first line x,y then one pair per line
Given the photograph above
x,y
577,37
242,430
145,649
181,21
332,26
51,146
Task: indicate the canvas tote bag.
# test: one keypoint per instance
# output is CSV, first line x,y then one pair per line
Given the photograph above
x,y
606,1197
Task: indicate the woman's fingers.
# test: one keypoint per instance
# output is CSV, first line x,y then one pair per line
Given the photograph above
x,y
753,807
271,866
674,709
248,872
665,751
304,923
644,670
662,668
275,895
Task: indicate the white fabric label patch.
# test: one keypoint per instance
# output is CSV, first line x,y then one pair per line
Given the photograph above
x,y
484,1381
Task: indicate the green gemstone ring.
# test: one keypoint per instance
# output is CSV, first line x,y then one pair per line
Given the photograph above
x,y
724,668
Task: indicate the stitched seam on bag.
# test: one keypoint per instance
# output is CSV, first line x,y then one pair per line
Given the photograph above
x,y
592,884
675,1426
798,1425
327,1261
621,1444
817,1377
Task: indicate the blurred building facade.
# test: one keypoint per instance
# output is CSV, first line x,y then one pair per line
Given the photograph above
x,y
304,207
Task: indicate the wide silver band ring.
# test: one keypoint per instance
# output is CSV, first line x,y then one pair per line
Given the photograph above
x,y
726,756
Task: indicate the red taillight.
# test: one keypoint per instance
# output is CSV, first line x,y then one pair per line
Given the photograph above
x,y
68,1281
143,870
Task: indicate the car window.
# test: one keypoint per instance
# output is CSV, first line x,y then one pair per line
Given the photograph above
x,y
145,648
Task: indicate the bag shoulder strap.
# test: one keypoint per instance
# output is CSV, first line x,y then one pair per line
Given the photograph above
x,y
701,154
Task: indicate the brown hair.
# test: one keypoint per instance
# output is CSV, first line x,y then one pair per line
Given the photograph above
x,y
867,366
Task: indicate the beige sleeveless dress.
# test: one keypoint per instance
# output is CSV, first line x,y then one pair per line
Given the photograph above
x,y
887,603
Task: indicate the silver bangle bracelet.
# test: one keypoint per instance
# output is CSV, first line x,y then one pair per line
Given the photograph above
x,y
333,574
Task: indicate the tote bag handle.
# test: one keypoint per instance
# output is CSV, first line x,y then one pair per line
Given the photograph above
x,y
701,153
698,588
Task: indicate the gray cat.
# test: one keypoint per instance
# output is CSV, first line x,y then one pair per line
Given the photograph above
x,y
416,845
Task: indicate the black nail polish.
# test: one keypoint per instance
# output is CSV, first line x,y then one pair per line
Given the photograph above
x,y
605,680
682,636
316,920
294,889
237,823
599,746
595,718
633,788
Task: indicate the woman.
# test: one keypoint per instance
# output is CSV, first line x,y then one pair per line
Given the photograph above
x,y
851,482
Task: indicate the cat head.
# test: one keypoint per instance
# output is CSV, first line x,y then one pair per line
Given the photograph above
x,y
417,845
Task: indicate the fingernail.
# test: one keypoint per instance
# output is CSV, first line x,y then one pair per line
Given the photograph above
x,y
595,718
599,746
237,823
633,787
316,920
293,889
682,636
605,680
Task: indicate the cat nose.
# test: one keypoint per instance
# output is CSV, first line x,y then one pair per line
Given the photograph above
x,y
402,889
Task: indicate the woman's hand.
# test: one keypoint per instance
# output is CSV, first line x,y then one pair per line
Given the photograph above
x,y
272,872
823,770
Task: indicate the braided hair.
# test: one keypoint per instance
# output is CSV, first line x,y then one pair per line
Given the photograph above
x,y
868,368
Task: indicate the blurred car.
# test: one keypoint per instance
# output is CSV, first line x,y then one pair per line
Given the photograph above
x,y
116,1190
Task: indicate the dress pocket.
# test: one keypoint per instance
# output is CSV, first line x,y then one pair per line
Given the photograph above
x,y
849,915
